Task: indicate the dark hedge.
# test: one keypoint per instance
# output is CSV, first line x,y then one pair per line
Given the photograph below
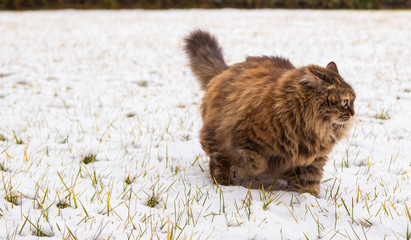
x,y
166,4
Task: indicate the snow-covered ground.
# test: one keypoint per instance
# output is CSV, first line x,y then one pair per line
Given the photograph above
x,y
99,126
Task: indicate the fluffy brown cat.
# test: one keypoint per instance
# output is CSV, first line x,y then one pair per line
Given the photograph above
x,y
266,117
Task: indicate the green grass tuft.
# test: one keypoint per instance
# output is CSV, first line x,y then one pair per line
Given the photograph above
x,y
382,115
89,158
18,140
62,205
13,198
152,201
129,180
39,233
3,168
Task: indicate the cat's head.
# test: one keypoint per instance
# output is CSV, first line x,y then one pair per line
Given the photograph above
x,y
334,96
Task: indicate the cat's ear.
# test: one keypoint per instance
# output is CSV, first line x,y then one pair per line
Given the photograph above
x,y
332,66
311,80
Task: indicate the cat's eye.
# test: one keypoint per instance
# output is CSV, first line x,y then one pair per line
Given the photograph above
x,y
344,102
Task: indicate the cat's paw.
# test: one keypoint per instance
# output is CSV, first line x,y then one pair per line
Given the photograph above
x,y
313,189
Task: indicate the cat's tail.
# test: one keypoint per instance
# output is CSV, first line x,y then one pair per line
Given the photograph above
x,y
205,55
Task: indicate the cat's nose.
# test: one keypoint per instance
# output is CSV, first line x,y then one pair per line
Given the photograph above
x,y
352,112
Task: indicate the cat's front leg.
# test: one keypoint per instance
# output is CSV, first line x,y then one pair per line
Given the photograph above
x,y
220,168
250,164
307,178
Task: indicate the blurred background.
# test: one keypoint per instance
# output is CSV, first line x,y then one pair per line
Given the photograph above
x,y
167,4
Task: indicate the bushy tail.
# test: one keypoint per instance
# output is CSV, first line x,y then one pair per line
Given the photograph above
x,y
206,56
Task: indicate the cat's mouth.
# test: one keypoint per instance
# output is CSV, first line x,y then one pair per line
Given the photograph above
x,y
342,120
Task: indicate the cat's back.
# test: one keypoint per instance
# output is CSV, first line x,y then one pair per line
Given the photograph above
x,y
265,66
274,62
241,87
252,74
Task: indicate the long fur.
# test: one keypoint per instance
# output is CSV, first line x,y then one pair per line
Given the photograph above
x,y
266,117
205,55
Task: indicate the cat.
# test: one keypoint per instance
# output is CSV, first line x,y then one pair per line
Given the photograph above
x,y
265,117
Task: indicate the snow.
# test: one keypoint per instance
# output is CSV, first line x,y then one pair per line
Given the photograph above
x,y
116,85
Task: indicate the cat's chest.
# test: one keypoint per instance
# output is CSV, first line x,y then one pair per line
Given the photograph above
x,y
311,148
